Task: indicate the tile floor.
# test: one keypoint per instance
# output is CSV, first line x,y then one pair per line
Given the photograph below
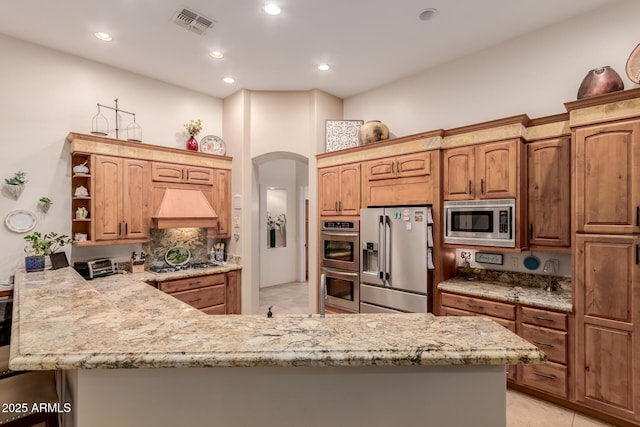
x,y
522,410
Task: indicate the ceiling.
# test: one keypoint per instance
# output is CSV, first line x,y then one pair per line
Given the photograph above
x,y
368,43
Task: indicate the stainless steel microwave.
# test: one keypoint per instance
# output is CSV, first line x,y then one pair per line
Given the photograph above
x,y
480,222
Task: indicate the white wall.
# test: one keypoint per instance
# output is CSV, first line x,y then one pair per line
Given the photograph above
x,y
534,74
45,95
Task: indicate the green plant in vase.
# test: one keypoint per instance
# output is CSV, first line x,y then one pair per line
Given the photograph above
x,y
41,245
45,203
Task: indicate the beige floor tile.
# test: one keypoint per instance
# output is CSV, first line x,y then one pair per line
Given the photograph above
x,y
526,411
584,421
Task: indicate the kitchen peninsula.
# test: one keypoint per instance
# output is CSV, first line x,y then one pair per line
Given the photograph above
x,y
131,355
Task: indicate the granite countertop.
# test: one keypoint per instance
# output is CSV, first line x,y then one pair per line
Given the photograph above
x,y
560,300
61,321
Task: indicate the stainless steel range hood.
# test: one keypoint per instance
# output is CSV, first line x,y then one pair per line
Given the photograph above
x,y
184,208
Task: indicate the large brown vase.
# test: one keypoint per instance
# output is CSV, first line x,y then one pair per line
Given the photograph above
x,y
373,130
600,81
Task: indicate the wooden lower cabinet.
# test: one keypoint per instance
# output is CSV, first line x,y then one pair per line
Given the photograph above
x,y
548,330
212,294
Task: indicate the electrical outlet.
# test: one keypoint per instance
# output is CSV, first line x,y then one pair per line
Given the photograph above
x,y
514,262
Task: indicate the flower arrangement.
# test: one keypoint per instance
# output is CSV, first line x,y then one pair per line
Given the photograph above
x,y
193,127
18,178
276,222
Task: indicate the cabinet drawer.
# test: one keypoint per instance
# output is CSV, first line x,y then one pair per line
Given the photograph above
x,y
166,172
479,306
549,377
553,343
191,283
509,324
548,319
204,297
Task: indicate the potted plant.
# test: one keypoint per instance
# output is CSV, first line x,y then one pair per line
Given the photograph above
x,y
45,203
15,184
42,245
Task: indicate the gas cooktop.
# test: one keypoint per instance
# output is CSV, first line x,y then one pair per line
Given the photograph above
x,y
166,268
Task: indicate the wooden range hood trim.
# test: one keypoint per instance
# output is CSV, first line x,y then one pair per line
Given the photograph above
x,y
184,208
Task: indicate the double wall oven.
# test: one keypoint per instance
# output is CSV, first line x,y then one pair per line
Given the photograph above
x,y
340,263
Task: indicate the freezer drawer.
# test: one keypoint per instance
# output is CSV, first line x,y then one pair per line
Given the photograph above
x,y
393,299
370,308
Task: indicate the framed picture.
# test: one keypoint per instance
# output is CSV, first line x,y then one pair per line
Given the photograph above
x,y
341,134
59,260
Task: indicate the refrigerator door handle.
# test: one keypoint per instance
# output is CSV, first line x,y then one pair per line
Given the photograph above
x,y
387,247
381,265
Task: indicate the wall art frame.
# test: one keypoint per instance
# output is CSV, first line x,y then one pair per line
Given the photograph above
x,y
342,134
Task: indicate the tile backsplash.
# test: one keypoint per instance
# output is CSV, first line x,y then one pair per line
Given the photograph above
x,y
161,240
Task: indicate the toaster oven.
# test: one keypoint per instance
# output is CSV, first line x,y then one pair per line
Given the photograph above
x,y
96,268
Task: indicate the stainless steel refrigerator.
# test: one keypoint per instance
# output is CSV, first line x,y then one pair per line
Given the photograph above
x,y
396,252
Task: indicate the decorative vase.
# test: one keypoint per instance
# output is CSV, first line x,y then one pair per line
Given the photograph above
x,y
14,189
34,263
600,81
272,238
372,131
192,143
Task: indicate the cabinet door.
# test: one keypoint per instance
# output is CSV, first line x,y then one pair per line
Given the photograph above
x,y
135,199
549,182
108,197
496,170
413,165
607,306
349,202
233,292
458,169
329,190
607,174
222,202
196,175
167,172
381,168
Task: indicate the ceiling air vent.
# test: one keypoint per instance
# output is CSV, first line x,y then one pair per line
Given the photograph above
x,y
192,21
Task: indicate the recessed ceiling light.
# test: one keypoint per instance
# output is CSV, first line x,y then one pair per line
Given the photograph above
x,y
103,36
229,80
216,54
272,9
324,67
428,14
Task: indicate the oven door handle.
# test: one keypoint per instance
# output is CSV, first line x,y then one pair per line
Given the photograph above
x,y
339,272
329,233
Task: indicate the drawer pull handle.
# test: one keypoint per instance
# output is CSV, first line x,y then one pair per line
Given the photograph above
x,y
540,374
544,344
470,187
193,301
545,319
474,306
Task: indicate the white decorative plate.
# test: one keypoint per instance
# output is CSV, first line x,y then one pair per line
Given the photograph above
x,y
213,144
177,255
20,221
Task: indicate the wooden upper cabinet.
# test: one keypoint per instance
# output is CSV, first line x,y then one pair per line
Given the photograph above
x,y
400,166
222,203
339,189
497,170
169,172
608,178
121,207
549,184
459,173
484,171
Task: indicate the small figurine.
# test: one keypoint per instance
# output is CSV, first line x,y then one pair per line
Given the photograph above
x,y
269,313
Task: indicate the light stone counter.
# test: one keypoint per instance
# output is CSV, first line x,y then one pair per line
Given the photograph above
x,y
360,369
560,300
62,321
